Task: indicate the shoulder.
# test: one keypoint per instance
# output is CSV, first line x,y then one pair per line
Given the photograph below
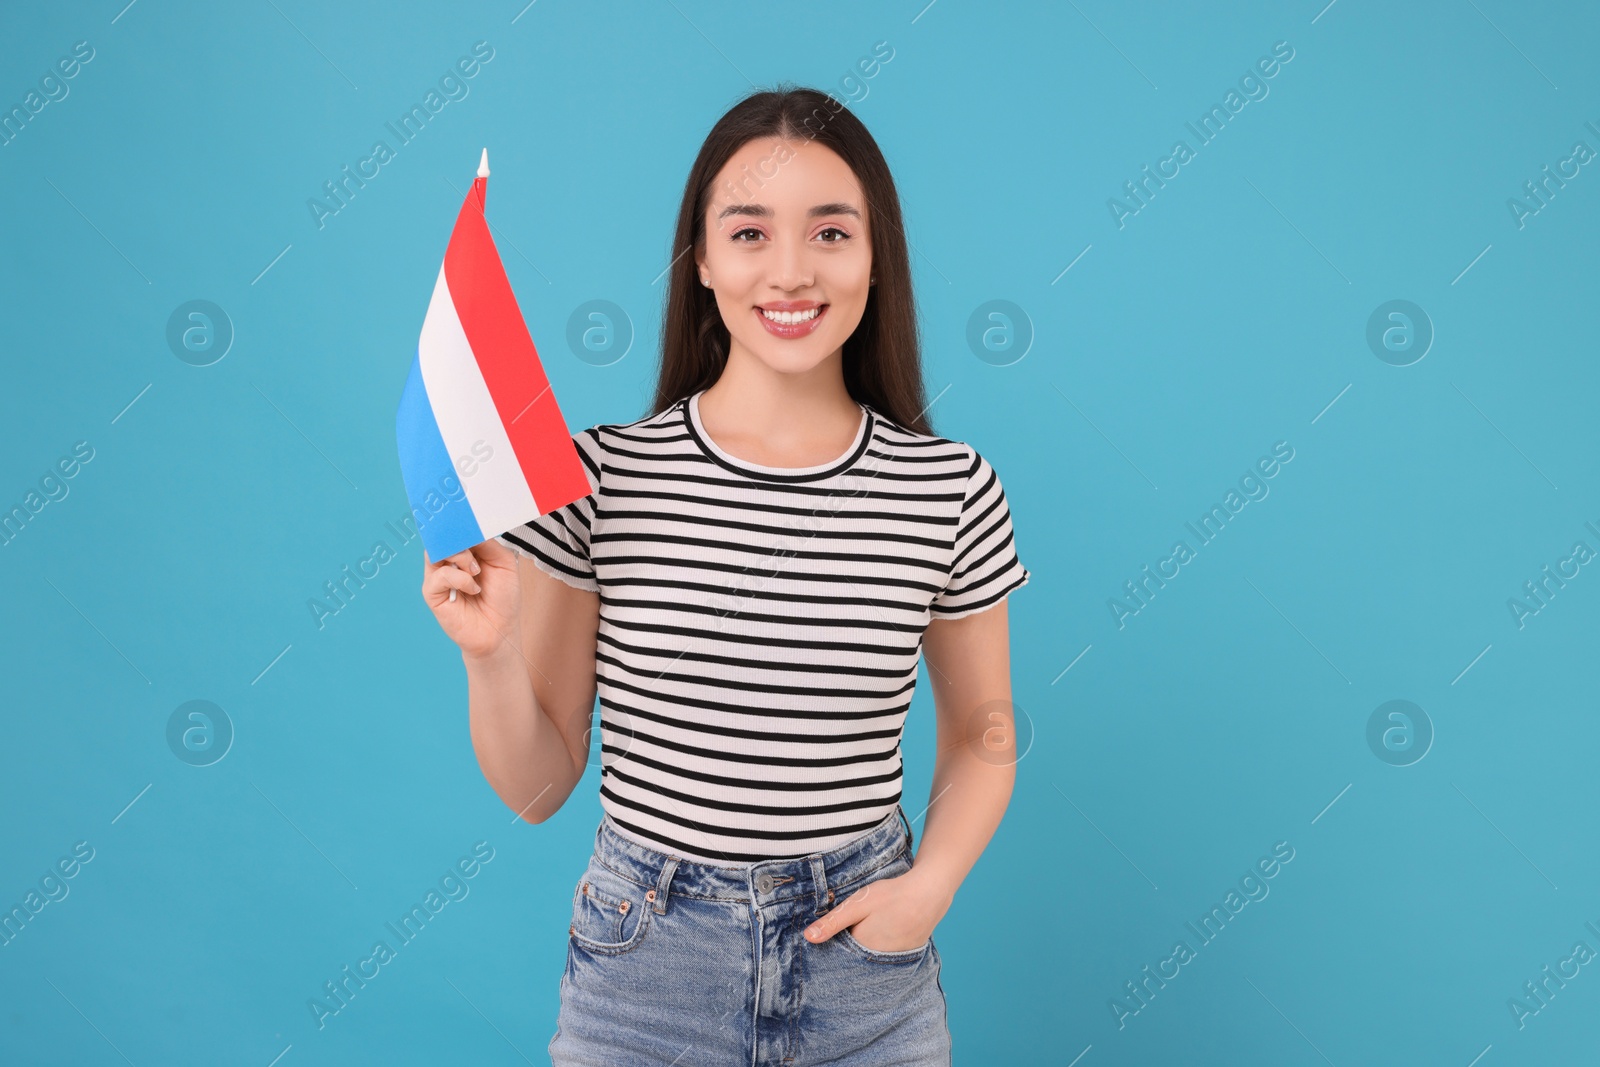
x,y
933,454
958,464
607,441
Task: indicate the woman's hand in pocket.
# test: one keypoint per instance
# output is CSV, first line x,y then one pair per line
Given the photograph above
x,y
487,597
887,915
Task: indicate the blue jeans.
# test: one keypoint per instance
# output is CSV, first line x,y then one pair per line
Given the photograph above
x,y
696,965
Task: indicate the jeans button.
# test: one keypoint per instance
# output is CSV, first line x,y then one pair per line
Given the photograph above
x,y
764,882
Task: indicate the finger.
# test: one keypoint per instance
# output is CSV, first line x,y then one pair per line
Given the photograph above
x,y
847,912
444,579
466,561
462,561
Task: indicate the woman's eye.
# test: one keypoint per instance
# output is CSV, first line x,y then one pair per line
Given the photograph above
x,y
737,236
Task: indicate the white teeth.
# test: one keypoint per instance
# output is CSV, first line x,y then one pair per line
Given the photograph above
x,y
789,318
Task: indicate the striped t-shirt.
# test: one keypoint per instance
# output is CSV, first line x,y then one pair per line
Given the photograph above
x,y
760,626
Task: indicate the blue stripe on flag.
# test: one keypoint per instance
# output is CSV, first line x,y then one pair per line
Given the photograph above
x,y
438,499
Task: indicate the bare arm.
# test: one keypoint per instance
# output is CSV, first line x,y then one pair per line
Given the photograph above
x,y
528,643
969,665
969,662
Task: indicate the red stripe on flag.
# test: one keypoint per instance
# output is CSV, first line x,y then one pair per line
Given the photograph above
x,y
509,362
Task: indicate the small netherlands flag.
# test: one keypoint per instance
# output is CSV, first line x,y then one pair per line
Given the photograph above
x,y
483,446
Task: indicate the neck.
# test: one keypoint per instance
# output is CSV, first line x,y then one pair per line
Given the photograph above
x,y
777,418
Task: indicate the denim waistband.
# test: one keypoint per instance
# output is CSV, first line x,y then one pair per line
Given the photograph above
x,y
821,876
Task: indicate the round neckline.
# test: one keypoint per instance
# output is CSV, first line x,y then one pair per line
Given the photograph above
x,y
697,430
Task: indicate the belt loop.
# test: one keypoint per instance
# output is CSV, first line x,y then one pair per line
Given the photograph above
x,y
659,893
901,812
819,883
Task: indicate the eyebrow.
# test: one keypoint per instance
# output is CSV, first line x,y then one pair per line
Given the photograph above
x,y
765,212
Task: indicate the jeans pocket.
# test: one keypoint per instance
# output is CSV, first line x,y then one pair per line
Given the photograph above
x,y
897,865
610,914
910,955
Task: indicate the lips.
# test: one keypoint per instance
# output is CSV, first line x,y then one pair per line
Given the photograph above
x,y
790,315
791,310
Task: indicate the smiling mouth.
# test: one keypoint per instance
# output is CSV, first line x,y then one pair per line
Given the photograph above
x,y
791,318
793,325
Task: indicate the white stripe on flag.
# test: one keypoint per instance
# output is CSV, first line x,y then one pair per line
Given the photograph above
x,y
466,415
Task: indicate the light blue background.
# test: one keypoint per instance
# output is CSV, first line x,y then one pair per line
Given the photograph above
x,y
1227,315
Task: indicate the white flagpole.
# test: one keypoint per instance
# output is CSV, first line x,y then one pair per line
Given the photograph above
x,y
483,172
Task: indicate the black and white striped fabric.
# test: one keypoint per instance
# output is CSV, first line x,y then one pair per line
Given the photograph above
x,y
760,626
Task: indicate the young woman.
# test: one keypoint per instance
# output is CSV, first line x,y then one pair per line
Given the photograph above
x,y
748,588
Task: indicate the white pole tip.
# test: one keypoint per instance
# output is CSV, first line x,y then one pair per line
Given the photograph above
x,y
483,165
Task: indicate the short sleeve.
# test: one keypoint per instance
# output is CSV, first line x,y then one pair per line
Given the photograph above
x,y
558,542
985,567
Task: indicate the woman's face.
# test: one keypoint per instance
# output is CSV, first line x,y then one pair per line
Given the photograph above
x,y
787,252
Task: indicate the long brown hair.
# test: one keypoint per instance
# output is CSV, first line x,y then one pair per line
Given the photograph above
x,y
882,358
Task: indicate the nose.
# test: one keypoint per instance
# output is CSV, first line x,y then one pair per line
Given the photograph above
x,y
791,267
